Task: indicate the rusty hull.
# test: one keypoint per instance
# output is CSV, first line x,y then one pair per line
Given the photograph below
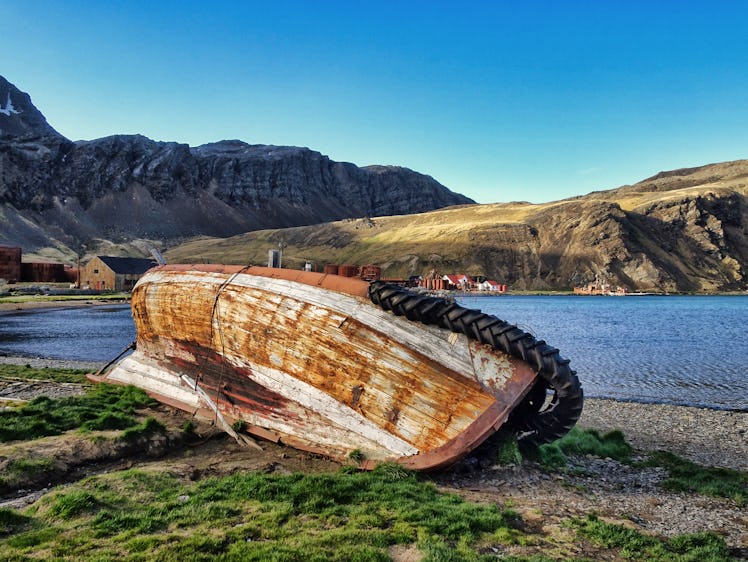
x,y
308,360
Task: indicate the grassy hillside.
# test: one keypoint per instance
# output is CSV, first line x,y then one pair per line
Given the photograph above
x,y
677,231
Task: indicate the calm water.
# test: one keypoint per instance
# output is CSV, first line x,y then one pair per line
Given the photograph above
x,y
676,350
96,333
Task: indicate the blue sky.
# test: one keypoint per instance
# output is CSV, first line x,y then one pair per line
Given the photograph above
x,y
500,101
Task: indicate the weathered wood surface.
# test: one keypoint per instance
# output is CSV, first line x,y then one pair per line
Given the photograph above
x,y
307,359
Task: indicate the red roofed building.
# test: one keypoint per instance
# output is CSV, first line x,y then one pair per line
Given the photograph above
x,y
489,285
457,281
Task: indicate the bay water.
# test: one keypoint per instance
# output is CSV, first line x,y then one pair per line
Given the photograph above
x,y
683,350
88,333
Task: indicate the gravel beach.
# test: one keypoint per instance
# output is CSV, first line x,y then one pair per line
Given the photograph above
x,y
628,494
702,435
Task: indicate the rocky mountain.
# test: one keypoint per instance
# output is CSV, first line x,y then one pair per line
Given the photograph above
x,y
63,197
18,116
679,231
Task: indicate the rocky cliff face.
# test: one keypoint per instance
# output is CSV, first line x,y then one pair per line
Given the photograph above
x,y
18,116
57,192
678,231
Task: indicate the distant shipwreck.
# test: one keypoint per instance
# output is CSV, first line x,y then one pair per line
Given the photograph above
x,y
340,366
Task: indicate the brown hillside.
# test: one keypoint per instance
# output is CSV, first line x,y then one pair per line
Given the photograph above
x,y
685,230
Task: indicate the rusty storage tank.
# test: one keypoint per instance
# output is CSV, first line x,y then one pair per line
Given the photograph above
x,y
43,272
348,270
10,264
71,274
370,272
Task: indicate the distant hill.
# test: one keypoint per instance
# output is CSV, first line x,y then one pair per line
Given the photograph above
x,y
684,230
123,193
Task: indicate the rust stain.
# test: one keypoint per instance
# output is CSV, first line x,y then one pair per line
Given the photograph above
x,y
212,373
392,415
356,393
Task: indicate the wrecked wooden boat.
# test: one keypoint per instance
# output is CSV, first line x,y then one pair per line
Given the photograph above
x,y
340,366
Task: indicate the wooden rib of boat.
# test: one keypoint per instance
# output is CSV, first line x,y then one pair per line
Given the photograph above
x,y
333,365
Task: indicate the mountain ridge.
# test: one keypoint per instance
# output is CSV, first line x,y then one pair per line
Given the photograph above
x,y
69,198
679,230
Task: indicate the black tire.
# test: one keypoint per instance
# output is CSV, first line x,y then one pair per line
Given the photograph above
x,y
552,406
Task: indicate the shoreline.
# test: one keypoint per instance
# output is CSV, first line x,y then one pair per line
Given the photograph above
x,y
9,306
706,436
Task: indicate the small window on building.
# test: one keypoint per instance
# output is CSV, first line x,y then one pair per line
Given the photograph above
x,y
96,271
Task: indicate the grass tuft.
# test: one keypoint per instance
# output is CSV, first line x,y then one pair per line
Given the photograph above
x,y
150,426
11,521
109,420
357,455
583,442
73,503
507,450
102,405
686,476
393,471
698,547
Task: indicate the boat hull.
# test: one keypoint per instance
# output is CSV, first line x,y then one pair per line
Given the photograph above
x,y
308,360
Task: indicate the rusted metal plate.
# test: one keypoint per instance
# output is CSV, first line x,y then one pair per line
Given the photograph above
x,y
308,358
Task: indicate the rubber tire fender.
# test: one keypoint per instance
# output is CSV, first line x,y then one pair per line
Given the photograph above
x,y
551,408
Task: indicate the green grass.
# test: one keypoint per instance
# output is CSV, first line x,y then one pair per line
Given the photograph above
x,y
346,516
583,442
357,456
12,521
683,475
72,504
150,426
29,467
26,372
696,547
102,407
508,451
686,476
19,299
